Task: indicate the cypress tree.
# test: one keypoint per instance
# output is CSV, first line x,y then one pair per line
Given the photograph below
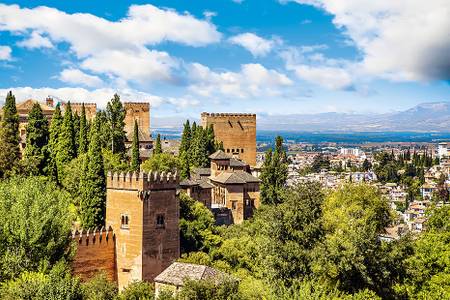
x,y
36,150
274,174
135,148
83,136
199,153
158,147
76,131
116,116
184,151
93,199
55,129
9,137
66,140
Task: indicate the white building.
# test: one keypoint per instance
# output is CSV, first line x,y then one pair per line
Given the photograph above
x,y
443,150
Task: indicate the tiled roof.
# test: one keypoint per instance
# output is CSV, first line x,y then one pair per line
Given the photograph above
x,y
202,171
177,272
236,163
228,178
219,154
188,182
247,176
204,184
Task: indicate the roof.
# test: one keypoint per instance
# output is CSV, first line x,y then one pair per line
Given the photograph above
x,y
237,163
228,178
204,184
28,105
247,176
188,182
143,137
177,272
219,154
202,171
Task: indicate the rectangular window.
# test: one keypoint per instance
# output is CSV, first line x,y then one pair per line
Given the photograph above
x,y
124,221
242,150
160,222
233,205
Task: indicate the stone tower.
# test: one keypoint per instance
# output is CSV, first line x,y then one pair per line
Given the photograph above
x,y
139,111
236,131
143,210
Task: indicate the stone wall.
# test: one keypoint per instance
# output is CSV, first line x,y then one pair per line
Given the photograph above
x,y
95,253
236,131
139,111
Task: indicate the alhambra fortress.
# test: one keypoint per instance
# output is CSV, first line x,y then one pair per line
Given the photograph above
x,y
140,239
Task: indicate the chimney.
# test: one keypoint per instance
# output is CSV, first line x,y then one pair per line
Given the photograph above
x,y
49,101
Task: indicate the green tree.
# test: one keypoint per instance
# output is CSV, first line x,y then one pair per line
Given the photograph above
x,y
291,230
135,148
321,162
199,155
164,162
83,135
227,289
274,174
66,141
36,151
93,199
55,129
138,290
99,288
116,116
366,165
76,131
9,137
158,146
196,226
184,151
35,225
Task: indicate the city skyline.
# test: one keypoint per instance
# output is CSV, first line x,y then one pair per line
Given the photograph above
x,y
268,57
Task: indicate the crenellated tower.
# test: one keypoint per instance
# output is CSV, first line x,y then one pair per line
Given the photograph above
x,y
143,210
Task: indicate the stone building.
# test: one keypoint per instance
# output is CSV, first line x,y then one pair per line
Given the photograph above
x,y
134,111
237,132
142,215
233,192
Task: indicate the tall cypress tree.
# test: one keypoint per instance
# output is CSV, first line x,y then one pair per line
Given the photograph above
x,y
184,151
158,147
274,174
66,140
199,148
36,151
83,136
76,131
93,198
9,137
135,148
116,116
55,129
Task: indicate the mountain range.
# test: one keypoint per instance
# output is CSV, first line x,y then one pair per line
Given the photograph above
x,y
425,117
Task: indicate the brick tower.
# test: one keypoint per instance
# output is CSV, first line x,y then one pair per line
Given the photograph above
x,y
143,211
236,131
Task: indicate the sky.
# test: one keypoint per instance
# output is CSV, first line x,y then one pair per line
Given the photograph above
x,y
262,56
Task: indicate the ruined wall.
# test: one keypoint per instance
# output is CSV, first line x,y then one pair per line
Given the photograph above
x,y
236,131
89,108
95,253
143,249
139,111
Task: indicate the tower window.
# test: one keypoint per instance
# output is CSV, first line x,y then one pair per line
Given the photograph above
x,y
233,205
124,221
160,221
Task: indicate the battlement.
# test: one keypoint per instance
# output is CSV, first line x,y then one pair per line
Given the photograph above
x,y
145,106
93,237
85,104
206,114
141,181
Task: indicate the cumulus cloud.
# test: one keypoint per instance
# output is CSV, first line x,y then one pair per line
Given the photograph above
x,y
118,47
100,96
258,46
78,77
400,40
252,80
36,41
5,53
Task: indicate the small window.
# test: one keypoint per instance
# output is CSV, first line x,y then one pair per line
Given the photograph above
x,y
124,221
242,150
233,204
228,150
160,222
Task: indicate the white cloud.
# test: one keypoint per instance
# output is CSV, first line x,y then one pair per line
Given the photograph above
x,y
314,67
209,14
77,77
5,53
114,47
253,43
252,80
100,96
399,40
36,41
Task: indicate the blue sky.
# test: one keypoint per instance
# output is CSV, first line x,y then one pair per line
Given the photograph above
x,y
264,56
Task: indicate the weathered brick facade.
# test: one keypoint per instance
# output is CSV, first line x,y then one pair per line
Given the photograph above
x,y
237,132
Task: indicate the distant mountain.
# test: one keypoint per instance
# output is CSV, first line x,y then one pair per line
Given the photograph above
x,y
426,117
